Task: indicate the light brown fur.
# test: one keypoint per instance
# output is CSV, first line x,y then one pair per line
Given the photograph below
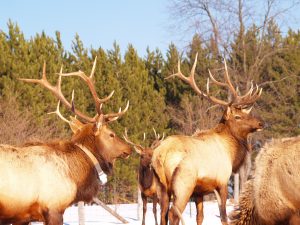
x,y
272,197
199,164
203,163
40,180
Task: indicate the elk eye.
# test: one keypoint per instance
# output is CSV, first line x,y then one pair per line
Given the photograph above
x,y
112,135
237,117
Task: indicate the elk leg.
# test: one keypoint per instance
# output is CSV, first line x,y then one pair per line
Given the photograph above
x,y
183,186
53,218
144,198
154,209
199,207
164,206
223,191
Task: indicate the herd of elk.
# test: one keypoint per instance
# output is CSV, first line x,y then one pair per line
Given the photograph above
x,y
40,180
145,174
272,197
188,166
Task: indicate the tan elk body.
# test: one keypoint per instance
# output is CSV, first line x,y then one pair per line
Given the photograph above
x,y
188,166
38,181
272,197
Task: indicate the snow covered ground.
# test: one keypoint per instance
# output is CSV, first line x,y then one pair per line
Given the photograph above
x,y
96,215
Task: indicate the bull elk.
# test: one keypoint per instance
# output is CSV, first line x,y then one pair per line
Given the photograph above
x,y
272,197
145,176
197,165
40,180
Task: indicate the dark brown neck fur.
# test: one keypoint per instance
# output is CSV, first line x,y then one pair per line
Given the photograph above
x,y
145,176
86,138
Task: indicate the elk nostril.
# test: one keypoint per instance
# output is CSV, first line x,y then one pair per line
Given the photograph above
x,y
261,124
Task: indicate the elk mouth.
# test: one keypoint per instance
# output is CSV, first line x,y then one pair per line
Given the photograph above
x,y
125,155
260,126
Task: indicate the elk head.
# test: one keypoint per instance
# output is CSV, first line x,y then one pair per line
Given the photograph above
x,y
94,133
237,114
145,152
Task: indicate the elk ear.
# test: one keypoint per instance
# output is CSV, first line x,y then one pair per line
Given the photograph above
x,y
247,111
98,124
75,124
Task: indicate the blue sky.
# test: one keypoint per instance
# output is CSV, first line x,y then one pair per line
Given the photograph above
x,y
98,23
101,22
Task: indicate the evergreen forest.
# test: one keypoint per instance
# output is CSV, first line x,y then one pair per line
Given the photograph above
x,y
168,105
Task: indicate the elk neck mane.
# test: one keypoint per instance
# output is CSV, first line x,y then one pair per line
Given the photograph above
x,y
145,176
86,137
239,145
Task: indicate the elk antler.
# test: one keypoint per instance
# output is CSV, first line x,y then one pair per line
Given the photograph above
x,y
73,123
57,112
91,84
136,146
56,90
157,140
154,144
238,101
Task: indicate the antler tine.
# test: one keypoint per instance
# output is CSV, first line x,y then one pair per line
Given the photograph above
x,y
191,78
56,90
93,68
215,81
91,84
57,112
125,136
163,137
178,74
191,81
157,140
207,87
113,116
212,98
44,71
229,84
250,97
248,92
194,67
245,100
155,134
